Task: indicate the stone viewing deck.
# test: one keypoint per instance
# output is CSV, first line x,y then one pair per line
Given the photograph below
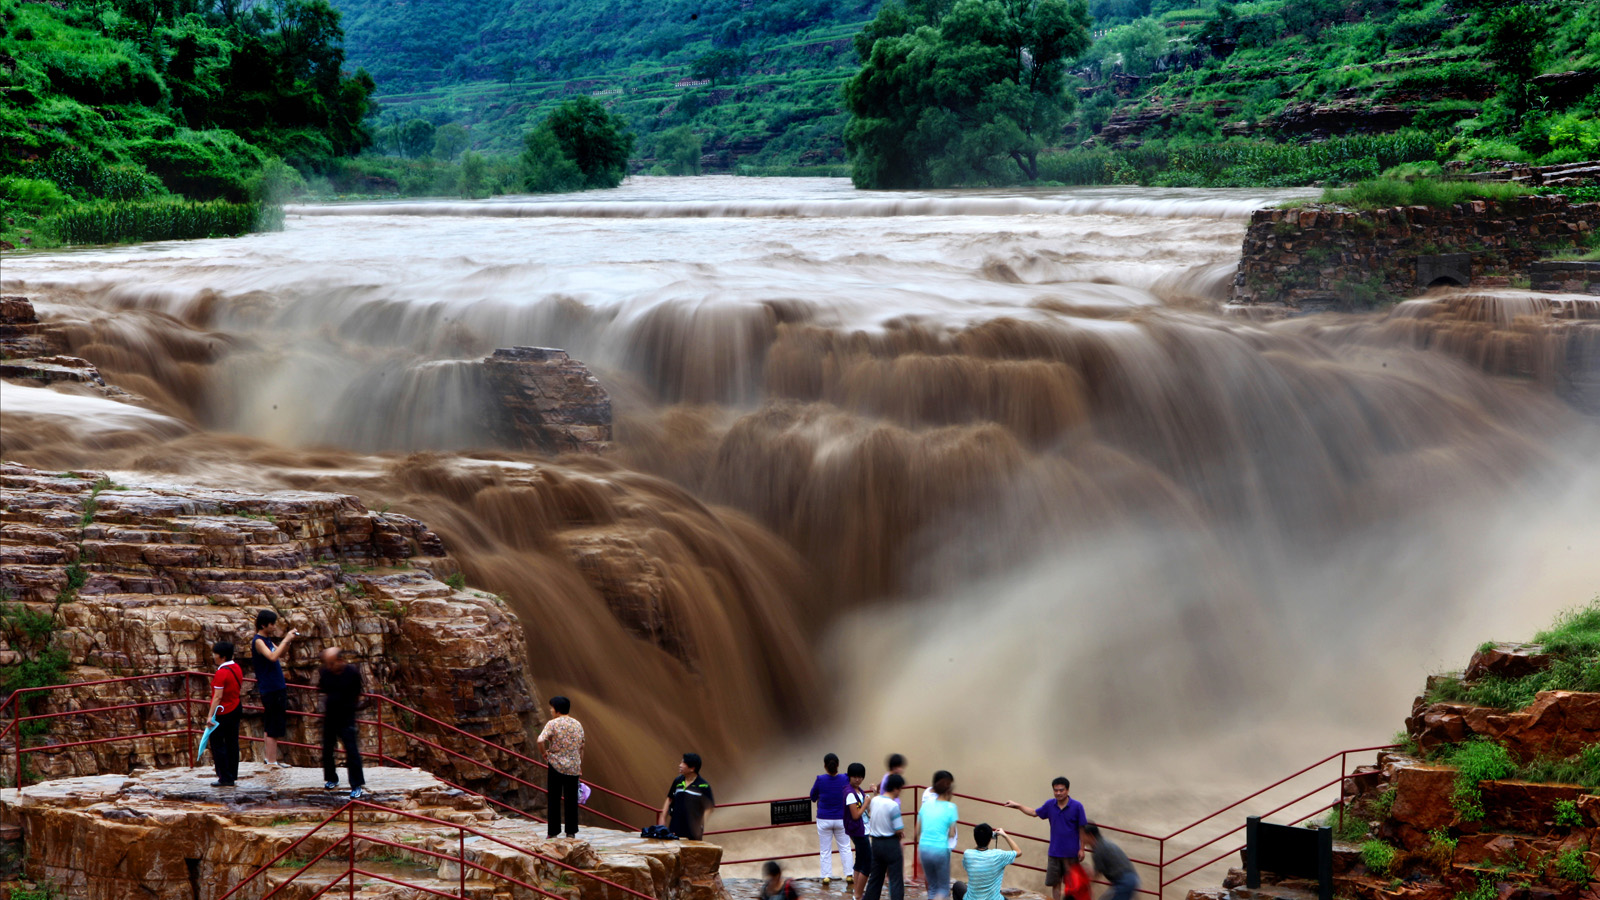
x,y
168,835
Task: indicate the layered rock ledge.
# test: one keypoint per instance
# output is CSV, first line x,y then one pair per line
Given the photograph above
x,y
122,579
167,835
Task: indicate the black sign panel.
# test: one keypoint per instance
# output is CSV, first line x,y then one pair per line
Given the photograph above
x,y
791,812
1289,851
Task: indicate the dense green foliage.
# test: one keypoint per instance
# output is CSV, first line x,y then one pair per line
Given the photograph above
x,y
1384,193
1574,645
969,95
129,103
1222,93
1476,761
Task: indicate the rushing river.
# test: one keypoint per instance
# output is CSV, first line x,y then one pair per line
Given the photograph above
x,y
982,477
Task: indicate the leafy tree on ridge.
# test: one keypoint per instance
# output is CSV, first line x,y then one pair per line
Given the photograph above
x,y
956,97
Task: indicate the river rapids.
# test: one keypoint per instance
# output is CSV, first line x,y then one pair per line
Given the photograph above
x,y
985,478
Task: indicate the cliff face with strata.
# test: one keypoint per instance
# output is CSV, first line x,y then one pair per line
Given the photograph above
x,y
141,578
1429,831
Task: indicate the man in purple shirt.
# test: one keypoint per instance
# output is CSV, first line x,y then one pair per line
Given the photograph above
x,y
827,792
1066,818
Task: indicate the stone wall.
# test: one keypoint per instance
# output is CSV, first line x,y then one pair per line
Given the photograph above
x,y
1327,257
137,579
1566,276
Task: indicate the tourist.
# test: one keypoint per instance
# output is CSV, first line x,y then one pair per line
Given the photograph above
x,y
986,865
1066,818
776,887
855,825
828,793
265,654
1111,864
225,710
936,828
561,741
885,829
895,765
342,683
689,801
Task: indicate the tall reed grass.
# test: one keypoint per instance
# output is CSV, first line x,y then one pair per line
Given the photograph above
x,y
1240,163
167,219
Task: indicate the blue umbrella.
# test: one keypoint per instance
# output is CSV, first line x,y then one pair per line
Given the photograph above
x,y
205,736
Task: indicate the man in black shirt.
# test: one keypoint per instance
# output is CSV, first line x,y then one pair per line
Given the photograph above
x,y
342,684
689,801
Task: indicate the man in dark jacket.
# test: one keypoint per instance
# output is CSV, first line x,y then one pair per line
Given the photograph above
x,y
341,683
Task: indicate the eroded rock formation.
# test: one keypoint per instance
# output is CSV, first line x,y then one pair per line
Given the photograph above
x,y
1524,839
547,400
166,835
141,578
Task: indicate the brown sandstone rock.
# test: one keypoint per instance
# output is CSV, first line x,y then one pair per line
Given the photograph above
x,y
1507,661
165,571
548,400
1422,796
168,836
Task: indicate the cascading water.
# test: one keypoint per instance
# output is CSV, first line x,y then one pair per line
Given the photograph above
x,y
981,478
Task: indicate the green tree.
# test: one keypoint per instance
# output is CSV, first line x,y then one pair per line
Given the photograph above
x,y
678,151
449,140
1132,48
971,97
474,176
546,169
416,138
718,64
594,139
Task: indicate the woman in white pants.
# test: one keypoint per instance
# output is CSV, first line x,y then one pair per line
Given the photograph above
x,y
828,793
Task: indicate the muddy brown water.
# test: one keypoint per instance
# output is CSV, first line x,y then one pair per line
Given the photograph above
x,y
981,477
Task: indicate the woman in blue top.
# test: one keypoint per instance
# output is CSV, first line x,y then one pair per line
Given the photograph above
x,y
828,793
265,654
936,825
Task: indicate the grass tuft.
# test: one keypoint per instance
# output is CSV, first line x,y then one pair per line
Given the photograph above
x,y
1384,193
1475,761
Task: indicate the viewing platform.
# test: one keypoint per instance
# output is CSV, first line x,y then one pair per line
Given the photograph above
x,y
166,834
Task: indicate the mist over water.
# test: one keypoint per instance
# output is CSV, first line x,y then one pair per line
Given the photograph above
x,y
983,478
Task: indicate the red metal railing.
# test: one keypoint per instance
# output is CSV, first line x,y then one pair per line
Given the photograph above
x,y
351,839
1165,859
1173,851
380,726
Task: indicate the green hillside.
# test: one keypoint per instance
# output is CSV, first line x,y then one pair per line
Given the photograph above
x,y
124,119
760,80
1173,91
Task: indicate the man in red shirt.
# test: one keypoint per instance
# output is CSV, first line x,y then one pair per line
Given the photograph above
x,y
225,685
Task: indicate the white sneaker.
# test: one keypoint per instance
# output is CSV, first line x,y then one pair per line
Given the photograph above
x,y
280,764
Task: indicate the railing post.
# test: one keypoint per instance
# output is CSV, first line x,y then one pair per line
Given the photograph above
x,y
1161,868
916,855
379,707
1340,806
16,742
351,836
188,722
461,867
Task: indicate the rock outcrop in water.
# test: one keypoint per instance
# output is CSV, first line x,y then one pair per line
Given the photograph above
x,y
141,578
546,400
167,836
1323,257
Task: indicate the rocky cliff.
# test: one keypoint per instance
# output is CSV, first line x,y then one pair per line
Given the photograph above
x,y
1489,802
106,579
